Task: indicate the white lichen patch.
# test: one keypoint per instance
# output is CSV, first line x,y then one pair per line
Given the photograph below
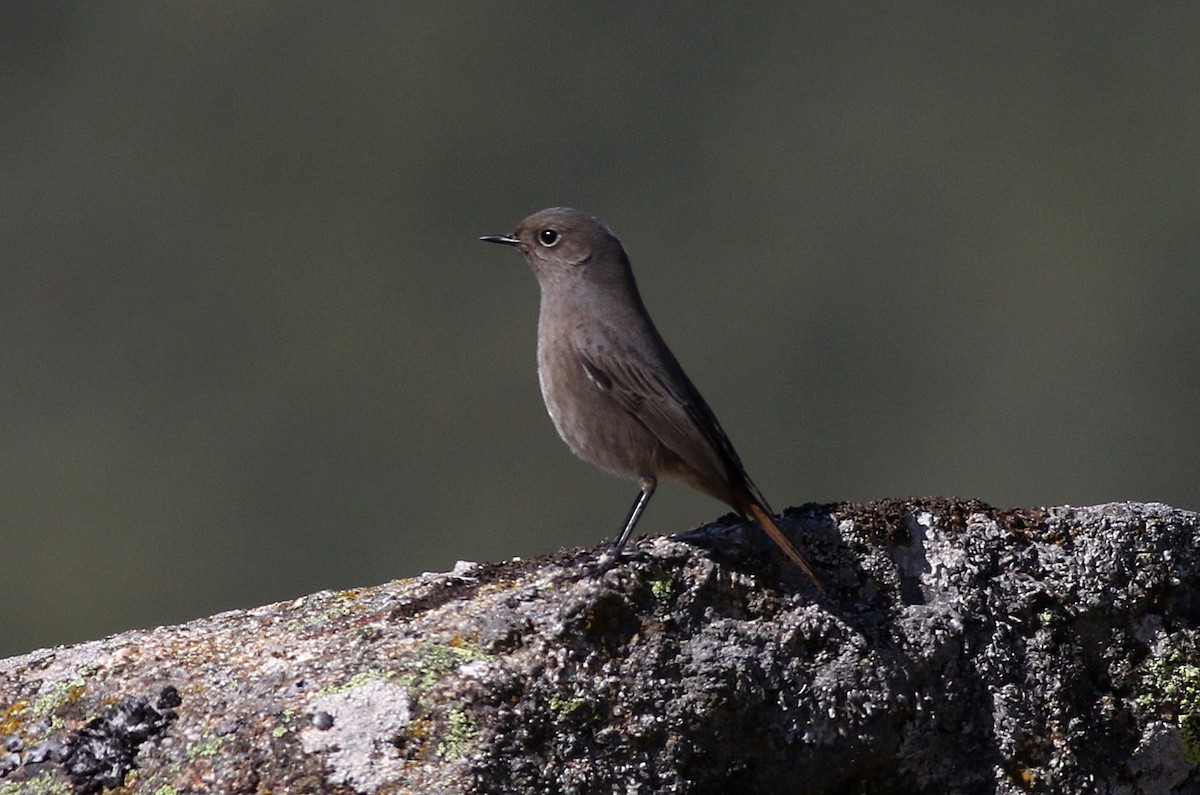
x,y
359,743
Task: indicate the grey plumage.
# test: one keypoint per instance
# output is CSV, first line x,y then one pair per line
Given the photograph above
x,y
615,392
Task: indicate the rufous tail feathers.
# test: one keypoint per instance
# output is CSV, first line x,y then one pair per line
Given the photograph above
x,y
764,520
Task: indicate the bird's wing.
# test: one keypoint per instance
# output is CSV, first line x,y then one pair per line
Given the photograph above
x,y
662,398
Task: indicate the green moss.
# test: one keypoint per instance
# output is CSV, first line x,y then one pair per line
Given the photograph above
x,y
1172,687
62,693
439,659
431,662
44,707
286,718
44,784
208,746
458,736
565,706
357,680
1189,728
662,587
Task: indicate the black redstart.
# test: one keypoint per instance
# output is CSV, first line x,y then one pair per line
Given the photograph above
x,y
613,388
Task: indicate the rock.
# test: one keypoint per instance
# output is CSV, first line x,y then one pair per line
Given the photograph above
x,y
958,649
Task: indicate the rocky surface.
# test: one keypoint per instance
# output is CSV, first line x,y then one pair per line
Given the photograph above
x,y
957,649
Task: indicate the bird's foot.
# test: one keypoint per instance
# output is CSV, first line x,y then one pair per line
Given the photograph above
x,y
597,566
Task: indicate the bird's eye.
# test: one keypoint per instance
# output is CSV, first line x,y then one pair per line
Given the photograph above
x,y
548,237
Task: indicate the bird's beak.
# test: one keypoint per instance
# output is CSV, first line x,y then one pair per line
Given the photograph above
x,y
507,240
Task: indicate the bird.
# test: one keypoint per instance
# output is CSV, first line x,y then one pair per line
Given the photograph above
x,y
616,394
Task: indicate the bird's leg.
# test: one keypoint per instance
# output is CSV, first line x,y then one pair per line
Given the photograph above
x,y
648,484
613,553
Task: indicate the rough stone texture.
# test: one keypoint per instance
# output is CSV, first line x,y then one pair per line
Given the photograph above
x,y
959,649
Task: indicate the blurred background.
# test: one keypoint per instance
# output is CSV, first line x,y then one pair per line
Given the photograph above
x,y
251,347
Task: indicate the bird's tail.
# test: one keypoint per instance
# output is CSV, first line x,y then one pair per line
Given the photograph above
x,y
767,523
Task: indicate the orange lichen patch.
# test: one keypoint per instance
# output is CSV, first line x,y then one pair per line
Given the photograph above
x,y
13,717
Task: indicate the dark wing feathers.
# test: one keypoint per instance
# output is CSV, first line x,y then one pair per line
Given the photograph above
x,y
661,397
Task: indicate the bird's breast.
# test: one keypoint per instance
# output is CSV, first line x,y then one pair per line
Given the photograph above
x,y
589,420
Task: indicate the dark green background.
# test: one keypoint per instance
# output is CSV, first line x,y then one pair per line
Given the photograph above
x,y
250,346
